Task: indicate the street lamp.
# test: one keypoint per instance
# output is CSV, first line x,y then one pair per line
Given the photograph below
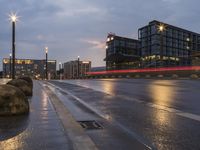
x,y
60,65
14,19
10,65
161,29
78,69
46,51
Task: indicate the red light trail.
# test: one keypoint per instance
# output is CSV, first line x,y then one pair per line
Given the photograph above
x,y
186,68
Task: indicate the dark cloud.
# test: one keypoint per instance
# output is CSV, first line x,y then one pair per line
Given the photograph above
x,y
71,28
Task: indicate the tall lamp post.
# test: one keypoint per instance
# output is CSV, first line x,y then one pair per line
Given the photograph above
x,y
5,71
60,65
46,73
10,68
161,29
78,69
13,18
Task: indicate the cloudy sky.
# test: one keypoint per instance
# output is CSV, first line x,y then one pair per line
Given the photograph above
x,y
72,28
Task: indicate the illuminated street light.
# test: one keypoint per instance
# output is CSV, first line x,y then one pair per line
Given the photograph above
x,y
46,51
13,18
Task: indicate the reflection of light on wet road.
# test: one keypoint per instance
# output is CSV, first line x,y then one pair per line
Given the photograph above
x,y
44,100
107,87
162,93
97,85
108,117
16,142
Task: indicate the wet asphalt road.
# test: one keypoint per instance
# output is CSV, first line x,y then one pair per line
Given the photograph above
x,y
161,114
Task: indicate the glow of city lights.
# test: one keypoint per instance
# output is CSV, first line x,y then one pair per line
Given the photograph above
x,y
46,49
108,39
85,62
161,28
188,39
13,17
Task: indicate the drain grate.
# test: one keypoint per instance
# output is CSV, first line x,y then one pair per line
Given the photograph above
x,y
90,125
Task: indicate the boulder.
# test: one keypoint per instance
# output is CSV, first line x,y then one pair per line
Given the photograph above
x,y
27,79
22,85
12,101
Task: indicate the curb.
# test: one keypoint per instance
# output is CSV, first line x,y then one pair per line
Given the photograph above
x,y
80,140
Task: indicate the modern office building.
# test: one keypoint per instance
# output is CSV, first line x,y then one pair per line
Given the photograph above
x,y
76,69
122,53
30,67
166,45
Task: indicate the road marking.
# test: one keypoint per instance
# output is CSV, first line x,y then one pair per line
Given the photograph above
x,y
189,115
77,135
104,116
165,108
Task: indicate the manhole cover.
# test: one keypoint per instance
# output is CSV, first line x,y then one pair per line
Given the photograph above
x,y
90,124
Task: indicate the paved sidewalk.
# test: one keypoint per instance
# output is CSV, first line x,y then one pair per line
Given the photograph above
x,y
4,81
40,130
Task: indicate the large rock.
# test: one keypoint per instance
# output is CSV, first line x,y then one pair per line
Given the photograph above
x,y
22,85
29,80
12,101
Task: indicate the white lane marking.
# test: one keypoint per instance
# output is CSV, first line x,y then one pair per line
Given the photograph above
x,y
189,115
78,99
105,116
165,108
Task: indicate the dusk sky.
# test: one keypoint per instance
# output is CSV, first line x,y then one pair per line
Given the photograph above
x,y
72,28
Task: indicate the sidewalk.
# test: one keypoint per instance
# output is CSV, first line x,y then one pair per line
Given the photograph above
x,y
40,130
4,81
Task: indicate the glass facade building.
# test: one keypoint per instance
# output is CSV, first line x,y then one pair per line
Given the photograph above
x,y
166,45
121,53
76,69
30,67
